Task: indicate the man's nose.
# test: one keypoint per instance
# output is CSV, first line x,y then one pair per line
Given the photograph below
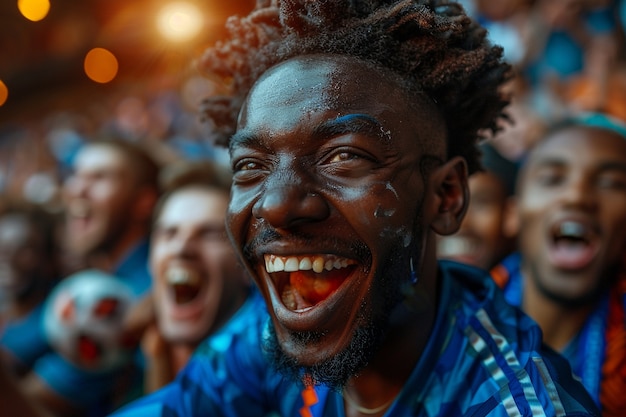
x,y
75,187
183,245
580,192
288,201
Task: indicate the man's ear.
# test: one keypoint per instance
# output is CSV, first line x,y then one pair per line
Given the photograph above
x,y
451,195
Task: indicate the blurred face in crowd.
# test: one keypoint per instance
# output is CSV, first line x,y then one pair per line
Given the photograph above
x,y
100,199
22,256
572,212
329,205
481,240
500,10
562,14
198,282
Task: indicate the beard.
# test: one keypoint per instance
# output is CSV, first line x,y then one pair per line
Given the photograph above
x,y
388,290
335,372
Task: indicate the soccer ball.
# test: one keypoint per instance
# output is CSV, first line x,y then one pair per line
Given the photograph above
x,y
83,320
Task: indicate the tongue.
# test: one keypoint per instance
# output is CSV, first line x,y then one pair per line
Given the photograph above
x,y
571,254
313,287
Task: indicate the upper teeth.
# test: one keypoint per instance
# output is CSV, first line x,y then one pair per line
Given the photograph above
x,y
78,208
181,276
316,263
571,229
454,245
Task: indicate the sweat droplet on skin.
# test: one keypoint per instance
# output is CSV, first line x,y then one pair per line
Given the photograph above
x,y
381,212
389,187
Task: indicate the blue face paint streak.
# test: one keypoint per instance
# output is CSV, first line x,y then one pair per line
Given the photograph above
x,y
351,117
351,123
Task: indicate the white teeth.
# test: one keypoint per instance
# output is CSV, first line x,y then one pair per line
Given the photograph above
x,y
305,264
572,229
279,265
291,265
289,299
181,276
78,209
454,245
318,263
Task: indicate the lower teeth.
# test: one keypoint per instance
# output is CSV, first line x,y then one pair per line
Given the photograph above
x,y
288,298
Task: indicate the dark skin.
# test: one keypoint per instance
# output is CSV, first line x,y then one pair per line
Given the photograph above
x,y
330,167
26,281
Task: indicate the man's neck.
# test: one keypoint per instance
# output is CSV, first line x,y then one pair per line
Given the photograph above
x,y
389,370
109,260
559,323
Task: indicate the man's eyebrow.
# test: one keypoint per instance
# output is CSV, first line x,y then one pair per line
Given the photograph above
x,y
350,123
544,161
613,166
245,139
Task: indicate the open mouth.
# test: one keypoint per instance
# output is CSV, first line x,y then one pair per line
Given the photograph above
x,y
574,244
89,351
305,281
185,285
79,213
78,209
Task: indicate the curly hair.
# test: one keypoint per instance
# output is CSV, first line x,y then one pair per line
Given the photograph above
x,y
431,44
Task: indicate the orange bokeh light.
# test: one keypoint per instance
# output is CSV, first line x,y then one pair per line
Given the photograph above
x,y
4,93
101,65
34,10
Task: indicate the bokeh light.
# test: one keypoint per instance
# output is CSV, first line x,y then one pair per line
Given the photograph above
x,y
34,10
101,65
179,21
4,93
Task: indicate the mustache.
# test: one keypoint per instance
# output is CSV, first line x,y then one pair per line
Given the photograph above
x,y
355,248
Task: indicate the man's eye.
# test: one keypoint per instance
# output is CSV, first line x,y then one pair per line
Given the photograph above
x,y
348,155
164,233
247,165
214,234
342,156
548,177
613,182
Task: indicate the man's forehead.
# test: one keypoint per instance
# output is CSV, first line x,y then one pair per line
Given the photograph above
x,y
325,87
333,75
101,156
579,143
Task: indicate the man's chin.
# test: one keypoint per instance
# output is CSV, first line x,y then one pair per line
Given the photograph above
x,y
334,371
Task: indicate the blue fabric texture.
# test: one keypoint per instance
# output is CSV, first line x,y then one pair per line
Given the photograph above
x,y
484,358
24,340
585,352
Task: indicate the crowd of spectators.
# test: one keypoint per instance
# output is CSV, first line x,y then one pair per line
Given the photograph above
x,y
568,58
